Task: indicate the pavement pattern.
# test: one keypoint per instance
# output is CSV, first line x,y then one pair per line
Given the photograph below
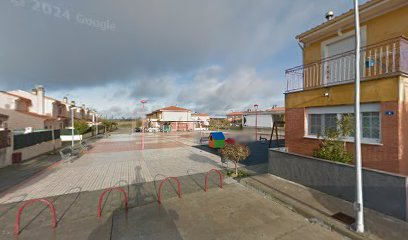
x,y
74,188
229,213
117,161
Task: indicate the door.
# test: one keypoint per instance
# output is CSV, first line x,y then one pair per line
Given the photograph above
x,y
339,68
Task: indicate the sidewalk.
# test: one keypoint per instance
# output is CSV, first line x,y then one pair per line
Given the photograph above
x,y
18,173
320,207
233,212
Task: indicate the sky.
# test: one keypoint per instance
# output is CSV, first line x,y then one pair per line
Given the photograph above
x,y
212,56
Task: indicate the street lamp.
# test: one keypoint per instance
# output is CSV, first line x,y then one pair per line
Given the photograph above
x,y
256,122
143,129
358,205
72,124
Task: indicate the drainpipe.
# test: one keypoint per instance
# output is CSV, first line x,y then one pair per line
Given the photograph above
x,y
302,47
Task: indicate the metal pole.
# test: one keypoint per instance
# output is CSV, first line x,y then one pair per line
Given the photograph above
x,y
93,121
96,122
72,125
256,122
132,129
143,129
358,205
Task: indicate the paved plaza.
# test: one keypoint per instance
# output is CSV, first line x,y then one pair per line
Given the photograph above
x,y
233,212
117,161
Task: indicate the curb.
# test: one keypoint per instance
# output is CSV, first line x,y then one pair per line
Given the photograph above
x,y
311,214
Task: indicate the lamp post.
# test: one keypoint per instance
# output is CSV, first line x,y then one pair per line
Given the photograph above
x,y
143,129
256,122
72,125
358,205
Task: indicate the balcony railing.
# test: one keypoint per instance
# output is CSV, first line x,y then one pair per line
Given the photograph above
x,y
378,60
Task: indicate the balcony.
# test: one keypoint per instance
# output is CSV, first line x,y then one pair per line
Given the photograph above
x,y
384,59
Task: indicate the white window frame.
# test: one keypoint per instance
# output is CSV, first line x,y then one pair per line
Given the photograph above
x,y
324,44
339,110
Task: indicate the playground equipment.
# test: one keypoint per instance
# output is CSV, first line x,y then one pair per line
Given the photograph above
x,y
275,130
110,190
208,174
20,210
165,180
216,140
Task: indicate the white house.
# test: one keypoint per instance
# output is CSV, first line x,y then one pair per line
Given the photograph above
x,y
171,118
263,119
17,109
201,121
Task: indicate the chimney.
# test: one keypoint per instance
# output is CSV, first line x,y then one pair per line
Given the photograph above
x,y
73,103
65,100
83,106
34,91
40,99
329,15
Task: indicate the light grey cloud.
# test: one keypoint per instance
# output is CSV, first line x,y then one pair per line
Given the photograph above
x,y
158,49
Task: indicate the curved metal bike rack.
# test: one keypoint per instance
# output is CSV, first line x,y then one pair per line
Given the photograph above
x,y
20,210
110,190
208,174
165,180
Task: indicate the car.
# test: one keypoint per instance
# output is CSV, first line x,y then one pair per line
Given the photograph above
x,y
138,129
151,129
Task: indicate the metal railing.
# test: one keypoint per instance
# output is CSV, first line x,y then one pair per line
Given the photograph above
x,y
383,59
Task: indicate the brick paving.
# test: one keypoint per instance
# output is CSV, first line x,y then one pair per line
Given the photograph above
x,y
116,161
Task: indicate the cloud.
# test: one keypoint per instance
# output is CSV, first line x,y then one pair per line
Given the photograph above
x,y
211,91
205,54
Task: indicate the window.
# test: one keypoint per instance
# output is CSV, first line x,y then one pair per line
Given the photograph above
x,y
319,123
322,118
371,125
315,124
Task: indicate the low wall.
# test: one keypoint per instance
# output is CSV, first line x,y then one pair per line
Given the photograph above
x,y
38,149
383,192
5,156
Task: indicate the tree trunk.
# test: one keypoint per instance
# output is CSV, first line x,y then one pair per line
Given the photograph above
x,y
236,169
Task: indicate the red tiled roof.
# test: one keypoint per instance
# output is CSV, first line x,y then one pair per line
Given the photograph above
x,y
200,114
173,108
234,114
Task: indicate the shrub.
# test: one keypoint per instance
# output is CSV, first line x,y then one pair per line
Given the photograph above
x,y
81,126
333,145
235,153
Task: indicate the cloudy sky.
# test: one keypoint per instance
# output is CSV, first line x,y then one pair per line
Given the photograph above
x,y
210,56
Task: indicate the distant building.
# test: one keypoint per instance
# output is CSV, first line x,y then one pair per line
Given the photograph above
x,y
19,116
263,119
235,118
171,118
201,121
35,109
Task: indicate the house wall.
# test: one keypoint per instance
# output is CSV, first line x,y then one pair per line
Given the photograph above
x,y
385,155
380,90
176,116
381,28
264,121
19,120
182,126
38,149
8,101
5,156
